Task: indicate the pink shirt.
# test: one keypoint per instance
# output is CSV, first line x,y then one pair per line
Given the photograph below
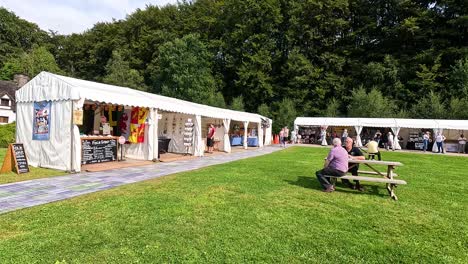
x,y
211,132
338,158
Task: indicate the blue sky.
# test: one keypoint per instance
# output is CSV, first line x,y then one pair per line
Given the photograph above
x,y
75,16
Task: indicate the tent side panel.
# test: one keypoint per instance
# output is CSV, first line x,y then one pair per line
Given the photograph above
x,y
54,153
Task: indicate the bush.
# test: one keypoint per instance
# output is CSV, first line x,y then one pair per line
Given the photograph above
x,y
7,134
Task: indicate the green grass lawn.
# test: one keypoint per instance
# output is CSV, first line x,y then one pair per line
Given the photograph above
x,y
265,209
34,173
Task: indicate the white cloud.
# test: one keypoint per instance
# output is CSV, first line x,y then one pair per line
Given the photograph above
x,y
75,16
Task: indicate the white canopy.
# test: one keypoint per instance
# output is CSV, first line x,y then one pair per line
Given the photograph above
x,y
382,122
63,148
47,86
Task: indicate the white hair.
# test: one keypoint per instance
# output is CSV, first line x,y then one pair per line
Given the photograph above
x,y
336,142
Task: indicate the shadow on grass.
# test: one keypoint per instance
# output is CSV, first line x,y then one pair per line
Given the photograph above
x,y
312,183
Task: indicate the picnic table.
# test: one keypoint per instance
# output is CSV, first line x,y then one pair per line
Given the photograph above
x,y
386,177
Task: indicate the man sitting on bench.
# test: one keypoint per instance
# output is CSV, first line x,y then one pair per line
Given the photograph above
x,y
353,153
336,164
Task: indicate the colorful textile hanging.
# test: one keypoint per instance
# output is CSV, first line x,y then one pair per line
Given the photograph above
x,y
137,125
142,114
111,120
124,123
133,138
141,133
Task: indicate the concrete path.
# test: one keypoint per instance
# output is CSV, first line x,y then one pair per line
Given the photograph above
x,y
14,196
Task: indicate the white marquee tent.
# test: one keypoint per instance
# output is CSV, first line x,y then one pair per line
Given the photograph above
x,y
438,125
63,149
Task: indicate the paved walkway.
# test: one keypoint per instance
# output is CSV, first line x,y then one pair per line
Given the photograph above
x,y
14,196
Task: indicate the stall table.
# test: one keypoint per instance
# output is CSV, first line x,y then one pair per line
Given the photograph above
x,y
252,141
236,141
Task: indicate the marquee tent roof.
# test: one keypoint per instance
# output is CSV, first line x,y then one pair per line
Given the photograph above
x,y
382,122
47,86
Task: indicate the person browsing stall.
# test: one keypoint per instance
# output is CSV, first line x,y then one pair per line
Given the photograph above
x,y
336,164
354,153
461,144
210,138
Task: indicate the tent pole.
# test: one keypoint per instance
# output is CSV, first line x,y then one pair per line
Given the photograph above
x,y
71,139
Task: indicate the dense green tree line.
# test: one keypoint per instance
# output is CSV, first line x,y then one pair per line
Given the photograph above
x,y
282,58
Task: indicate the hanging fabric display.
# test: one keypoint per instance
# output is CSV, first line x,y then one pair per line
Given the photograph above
x,y
188,135
112,121
124,123
41,122
137,125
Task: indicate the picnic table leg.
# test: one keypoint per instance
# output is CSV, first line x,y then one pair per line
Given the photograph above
x,y
390,186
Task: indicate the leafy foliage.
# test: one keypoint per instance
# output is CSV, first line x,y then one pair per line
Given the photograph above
x,y
31,64
403,53
119,73
7,134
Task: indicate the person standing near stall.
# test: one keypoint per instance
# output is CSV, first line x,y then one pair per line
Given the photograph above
x,y
210,138
286,135
440,142
461,144
426,138
390,141
344,136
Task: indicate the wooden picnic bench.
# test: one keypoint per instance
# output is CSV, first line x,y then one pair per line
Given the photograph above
x,y
386,177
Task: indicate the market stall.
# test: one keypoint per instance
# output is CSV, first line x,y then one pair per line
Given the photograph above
x,y
57,114
408,131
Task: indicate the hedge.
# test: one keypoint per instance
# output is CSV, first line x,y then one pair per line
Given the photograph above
x,y
7,134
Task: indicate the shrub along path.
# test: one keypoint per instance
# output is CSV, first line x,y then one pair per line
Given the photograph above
x,y
24,194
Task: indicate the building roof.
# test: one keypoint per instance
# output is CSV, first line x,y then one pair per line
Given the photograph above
x,y
47,86
9,88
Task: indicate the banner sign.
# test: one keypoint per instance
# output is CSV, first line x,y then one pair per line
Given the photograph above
x,y
41,122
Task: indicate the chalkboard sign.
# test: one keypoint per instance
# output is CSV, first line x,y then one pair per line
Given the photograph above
x,y
20,158
15,159
98,150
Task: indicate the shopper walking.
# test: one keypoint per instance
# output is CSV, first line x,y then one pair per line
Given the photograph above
x,y
286,135
281,136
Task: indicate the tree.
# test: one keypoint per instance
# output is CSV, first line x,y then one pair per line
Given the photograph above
x,y
429,107
31,64
217,100
264,110
18,36
284,114
238,103
372,104
458,108
184,70
332,109
458,78
119,73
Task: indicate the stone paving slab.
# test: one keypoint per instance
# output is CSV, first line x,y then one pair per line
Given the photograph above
x,y
14,196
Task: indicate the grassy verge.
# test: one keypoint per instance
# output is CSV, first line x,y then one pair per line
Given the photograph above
x,y
265,209
35,173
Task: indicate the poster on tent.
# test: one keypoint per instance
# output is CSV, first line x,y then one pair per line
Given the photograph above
x,y
41,121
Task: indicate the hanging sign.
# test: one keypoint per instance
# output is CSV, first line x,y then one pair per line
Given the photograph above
x,y
78,117
41,122
15,159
